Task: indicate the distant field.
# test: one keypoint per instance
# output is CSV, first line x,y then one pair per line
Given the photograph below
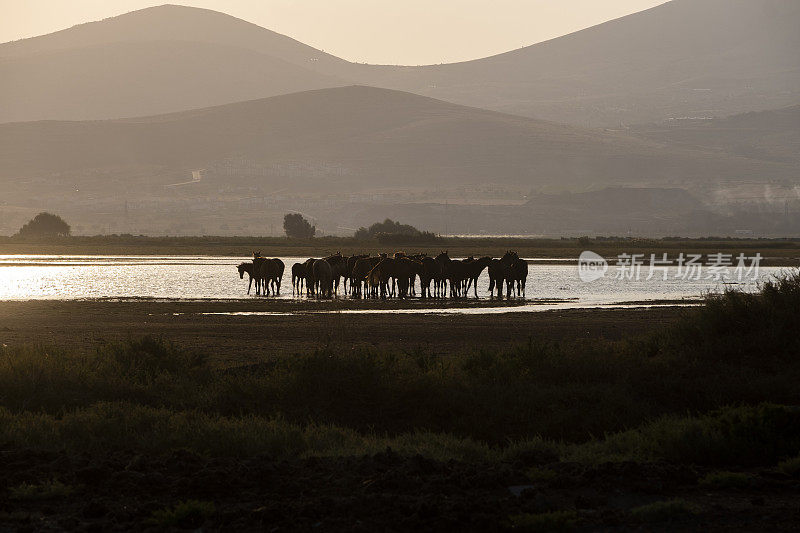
x,y
777,252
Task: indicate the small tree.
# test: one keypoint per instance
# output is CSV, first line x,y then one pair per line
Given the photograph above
x,y
297,227
387,227
45,225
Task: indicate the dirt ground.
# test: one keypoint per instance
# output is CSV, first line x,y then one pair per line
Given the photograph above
x,y
124,491
240,339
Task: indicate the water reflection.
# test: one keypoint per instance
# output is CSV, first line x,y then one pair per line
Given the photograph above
x,y
24,277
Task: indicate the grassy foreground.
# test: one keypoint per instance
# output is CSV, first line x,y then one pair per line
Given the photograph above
x,y
691,428
708,390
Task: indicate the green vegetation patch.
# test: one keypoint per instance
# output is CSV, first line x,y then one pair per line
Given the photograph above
x,y
747,435
47,490
185,514
726,480
543,522
790,466
665,511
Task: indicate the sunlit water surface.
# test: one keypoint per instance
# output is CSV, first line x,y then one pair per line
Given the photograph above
x,y
550,285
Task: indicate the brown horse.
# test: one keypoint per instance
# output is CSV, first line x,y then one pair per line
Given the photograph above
x,y
515,272
277,274
323,278
405,269
310,282
349,273
250,269
430,272
474,268
268,273
378,277
359,283
338,269
496,277
298,277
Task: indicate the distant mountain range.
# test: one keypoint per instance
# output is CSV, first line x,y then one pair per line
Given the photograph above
x,y
686,58
357,139
190,121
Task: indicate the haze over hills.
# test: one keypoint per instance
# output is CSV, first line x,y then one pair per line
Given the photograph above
x,y
684,58
366,138
324,151
772,135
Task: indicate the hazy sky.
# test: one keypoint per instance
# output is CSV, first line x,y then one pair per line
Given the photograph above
x,y
376,31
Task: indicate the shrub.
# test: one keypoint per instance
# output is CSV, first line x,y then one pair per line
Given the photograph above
x,y
664,511
540,475
747,435
726,480
47,490
790,466
552,521
186,514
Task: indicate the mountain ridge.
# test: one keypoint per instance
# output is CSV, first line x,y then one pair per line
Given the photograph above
x,y
682,58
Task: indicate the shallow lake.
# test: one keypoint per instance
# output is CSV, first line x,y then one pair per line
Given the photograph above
x,y
550,283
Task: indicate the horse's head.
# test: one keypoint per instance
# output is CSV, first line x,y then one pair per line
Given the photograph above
x,y
242,268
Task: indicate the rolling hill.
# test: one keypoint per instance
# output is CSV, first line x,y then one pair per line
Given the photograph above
x,y
129,79
360,138
684,58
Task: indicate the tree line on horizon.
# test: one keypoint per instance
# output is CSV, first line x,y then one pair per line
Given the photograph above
x,y
296,226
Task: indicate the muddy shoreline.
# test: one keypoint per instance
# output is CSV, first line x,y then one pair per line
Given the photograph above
x,y
243,339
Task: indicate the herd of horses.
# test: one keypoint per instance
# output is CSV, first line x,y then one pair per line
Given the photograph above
x,y
387,275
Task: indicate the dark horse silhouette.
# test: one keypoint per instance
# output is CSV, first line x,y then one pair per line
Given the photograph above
x,y
298,277
251,272
269,272
515,272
